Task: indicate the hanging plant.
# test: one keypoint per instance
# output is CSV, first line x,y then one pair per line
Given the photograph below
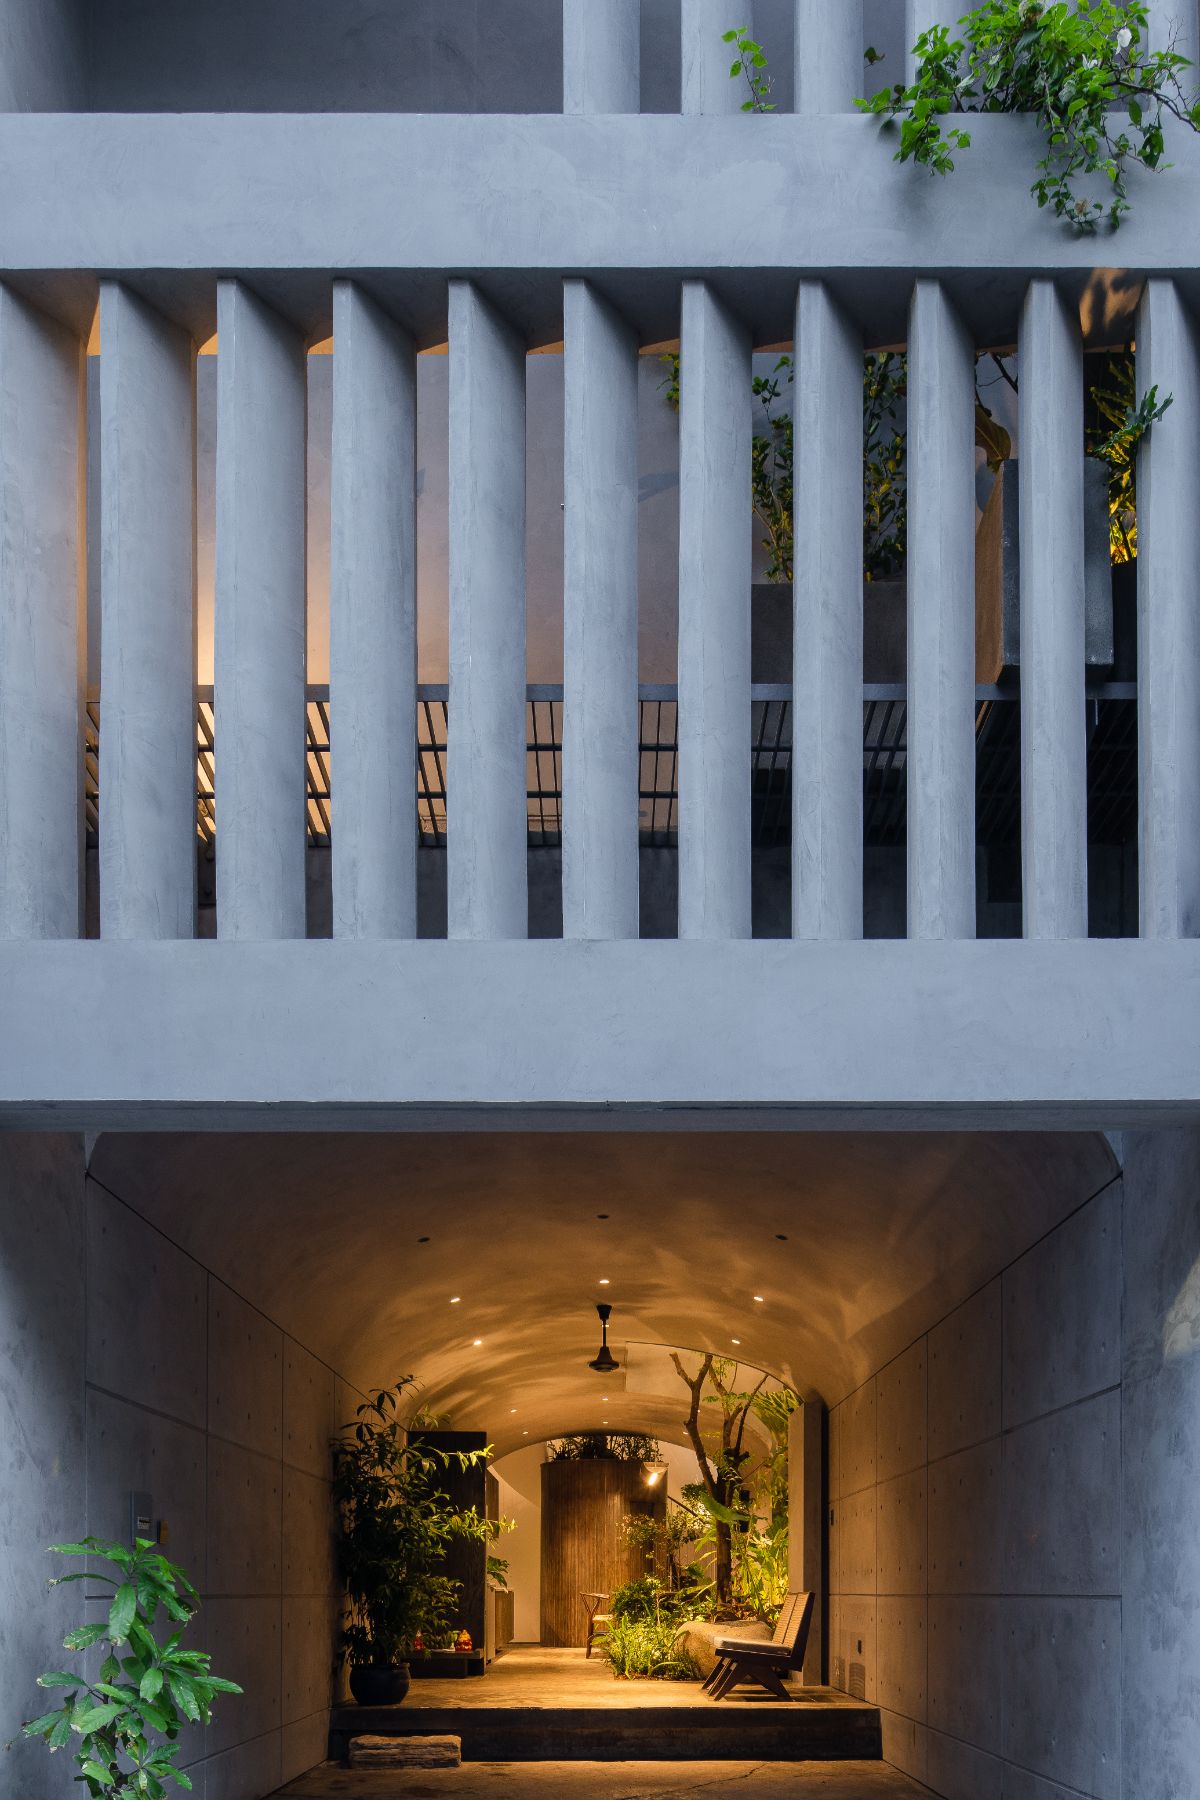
x,y
1084,70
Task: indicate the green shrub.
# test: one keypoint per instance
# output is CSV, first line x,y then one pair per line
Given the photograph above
x,y
647,1649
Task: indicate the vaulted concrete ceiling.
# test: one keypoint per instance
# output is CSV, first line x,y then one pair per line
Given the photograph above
x,y
356,1244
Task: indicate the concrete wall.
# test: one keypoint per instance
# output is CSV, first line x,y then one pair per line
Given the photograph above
x,y
190,1394
42,1478
1160,1417
975,1544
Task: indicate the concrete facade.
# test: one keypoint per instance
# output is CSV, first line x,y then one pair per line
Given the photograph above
x,y
126,1367
980,1565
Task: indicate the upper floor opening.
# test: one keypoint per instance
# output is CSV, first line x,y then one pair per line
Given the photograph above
x,y
409,56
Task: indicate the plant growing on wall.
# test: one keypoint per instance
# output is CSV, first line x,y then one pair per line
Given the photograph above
x,y
1082,68
750,66
150,1693
394,1526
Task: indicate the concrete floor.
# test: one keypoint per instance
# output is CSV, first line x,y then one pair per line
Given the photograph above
x,y
532,1675
612,1781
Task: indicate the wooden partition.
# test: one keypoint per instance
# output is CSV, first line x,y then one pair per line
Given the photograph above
x,y
583,1504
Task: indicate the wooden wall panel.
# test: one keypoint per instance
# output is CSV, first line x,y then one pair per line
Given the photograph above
x,y
583,1504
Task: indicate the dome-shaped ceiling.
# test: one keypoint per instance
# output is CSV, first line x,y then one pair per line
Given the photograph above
x,y
475,1260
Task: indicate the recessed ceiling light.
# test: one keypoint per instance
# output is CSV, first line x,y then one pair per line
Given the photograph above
x,y
604,1421
604,1281
456,1299
759,1298
477,1342
512,1409
524,1434
735,1340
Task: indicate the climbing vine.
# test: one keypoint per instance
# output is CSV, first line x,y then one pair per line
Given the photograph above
x,y
1083,68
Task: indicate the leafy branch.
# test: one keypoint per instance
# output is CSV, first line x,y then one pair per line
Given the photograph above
x,y
1082,68
156,1689
750,65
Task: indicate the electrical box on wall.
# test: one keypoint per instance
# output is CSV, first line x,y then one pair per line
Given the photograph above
x,y
141,1518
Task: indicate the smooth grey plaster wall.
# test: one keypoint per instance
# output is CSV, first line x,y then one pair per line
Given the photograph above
x,y
1161,1424
976,1537
42,48
42,1484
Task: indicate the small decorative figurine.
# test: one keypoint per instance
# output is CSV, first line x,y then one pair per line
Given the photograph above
x,y
419,1644
462,1642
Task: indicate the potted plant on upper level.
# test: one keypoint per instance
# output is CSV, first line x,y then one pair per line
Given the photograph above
x,y
394,1524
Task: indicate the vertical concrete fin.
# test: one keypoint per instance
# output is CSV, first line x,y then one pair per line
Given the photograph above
x,y
941,619
921,16
259,626
1168,620
486,776
148,621
600,620
373,621
714,619
41,488
827,777
706,60
1053,721
829,55
602,56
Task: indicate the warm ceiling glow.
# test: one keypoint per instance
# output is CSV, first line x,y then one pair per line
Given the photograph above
x,y
735,1341
456,1299
477,1342
604,1281
759,1298
512,1409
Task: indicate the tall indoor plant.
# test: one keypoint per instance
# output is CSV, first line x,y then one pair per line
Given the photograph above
x,y
394,1525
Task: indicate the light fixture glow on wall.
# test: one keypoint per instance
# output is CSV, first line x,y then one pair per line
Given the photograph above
x,y
654,1473
604,1362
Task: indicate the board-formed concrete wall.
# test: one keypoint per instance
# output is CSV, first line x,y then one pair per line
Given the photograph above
x,y
1160,1412
163,1381
975,1546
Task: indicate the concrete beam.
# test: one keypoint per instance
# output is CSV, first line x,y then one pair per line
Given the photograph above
x,y
602,56
486,776
259,620
827,780
714,619
1168,356
706,60
41,700
373,620
829,55
941,620
559,195
600,621
1053,721
882,1034
148,621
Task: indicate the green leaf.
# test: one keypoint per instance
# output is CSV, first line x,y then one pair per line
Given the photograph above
x,y
184,1780
122,1612
58,1678
151,1684
98,1773
84,1636
97,1717
184,1697
39,1726
61,1733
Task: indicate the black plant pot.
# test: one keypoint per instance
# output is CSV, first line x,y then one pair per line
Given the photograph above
x,y
379,1684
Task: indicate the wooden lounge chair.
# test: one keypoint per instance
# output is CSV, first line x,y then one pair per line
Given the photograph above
x,y
597,1622
766,1662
